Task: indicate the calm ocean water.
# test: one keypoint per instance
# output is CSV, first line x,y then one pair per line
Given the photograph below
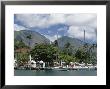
x,y
55,73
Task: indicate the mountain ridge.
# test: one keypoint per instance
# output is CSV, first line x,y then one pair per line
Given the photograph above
x,y
36,37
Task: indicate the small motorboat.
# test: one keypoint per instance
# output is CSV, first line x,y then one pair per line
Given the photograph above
x,y
60,69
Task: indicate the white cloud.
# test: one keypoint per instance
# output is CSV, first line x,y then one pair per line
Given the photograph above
x,y
44,21
61,29
31,20
93,23
18,27
81,19
41,21
78,32
77,23
56,19
52,38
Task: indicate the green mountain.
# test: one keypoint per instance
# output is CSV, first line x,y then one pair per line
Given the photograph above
x,y
73,41
74,44
36,38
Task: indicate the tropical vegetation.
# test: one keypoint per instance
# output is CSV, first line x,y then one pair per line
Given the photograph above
x,y
51,52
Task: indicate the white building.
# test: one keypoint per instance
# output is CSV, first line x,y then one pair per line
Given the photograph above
x,y
33,64
15,63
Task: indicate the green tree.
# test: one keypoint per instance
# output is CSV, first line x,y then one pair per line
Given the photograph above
x,y
67,45
68,49
82,55
44,52
22,58
93,53
29,37
56,43
19,44
66,58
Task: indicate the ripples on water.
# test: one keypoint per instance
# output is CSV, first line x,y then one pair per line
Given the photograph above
x,y
55,73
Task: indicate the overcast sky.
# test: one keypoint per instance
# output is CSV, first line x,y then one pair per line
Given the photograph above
x,y
72,25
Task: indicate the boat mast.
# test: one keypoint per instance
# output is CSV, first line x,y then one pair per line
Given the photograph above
x,y
57,46
84,36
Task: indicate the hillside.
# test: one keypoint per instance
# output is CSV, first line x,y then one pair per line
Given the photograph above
x,y
36,37
74,42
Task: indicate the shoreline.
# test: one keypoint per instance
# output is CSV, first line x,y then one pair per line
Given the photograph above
x,y
60,69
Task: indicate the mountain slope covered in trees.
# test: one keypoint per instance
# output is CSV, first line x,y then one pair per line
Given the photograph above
x,y
36,38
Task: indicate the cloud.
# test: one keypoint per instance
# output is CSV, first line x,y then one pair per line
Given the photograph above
x,y
56,19
49,32
31,20
93,23
39,20
72,25
62,29
18,27
52,38
78,32
47,20
81,19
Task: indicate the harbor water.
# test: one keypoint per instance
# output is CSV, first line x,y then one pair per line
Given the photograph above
x,y
55,73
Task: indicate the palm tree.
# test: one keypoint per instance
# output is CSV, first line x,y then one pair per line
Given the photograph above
x,y
67,45
91,49
85,45
94,45
56,43
29,37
